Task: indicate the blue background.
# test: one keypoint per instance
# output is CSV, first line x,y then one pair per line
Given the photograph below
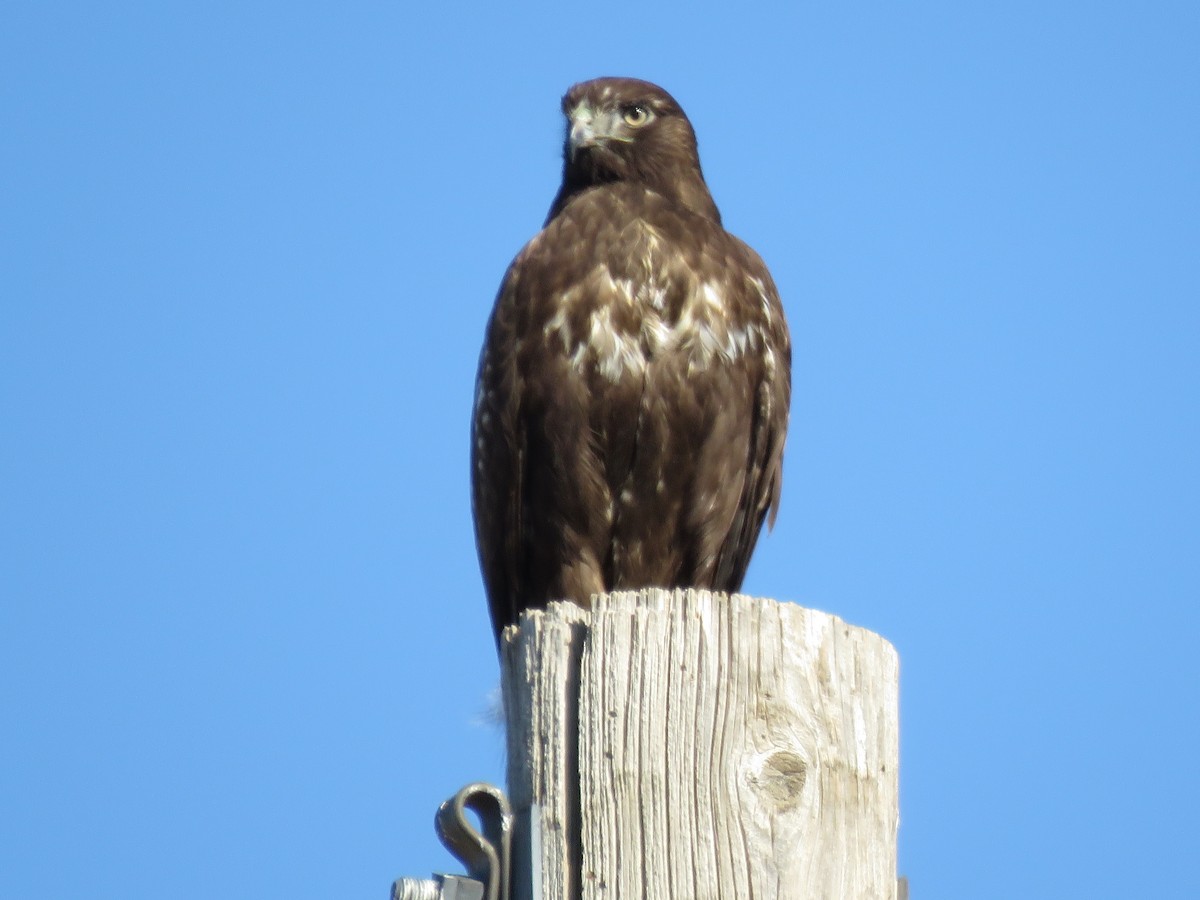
x,y
247,251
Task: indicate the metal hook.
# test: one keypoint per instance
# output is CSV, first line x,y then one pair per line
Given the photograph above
x,y
487,855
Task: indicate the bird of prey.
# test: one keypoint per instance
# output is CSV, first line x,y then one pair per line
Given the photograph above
x,y
633,389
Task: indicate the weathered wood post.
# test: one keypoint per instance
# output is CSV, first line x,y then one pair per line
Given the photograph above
x,y
696,745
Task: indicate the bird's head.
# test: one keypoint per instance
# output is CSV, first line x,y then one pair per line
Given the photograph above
x,y
624,129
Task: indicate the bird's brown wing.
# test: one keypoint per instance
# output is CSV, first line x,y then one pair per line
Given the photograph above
x,y
496,459
766,375
543,440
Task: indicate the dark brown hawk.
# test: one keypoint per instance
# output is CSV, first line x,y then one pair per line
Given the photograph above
x,y
633,389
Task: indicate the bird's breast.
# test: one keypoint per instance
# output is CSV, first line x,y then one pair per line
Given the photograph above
x,y
639,300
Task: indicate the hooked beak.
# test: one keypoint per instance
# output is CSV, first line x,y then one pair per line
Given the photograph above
x,y
589,129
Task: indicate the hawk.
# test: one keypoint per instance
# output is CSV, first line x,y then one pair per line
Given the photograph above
x,y
633,389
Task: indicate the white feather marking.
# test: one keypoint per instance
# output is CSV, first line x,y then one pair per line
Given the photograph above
x,y
650,255
614,353
623,287
705,329
578,357
598,279
559,325
764,300
712,297
659,336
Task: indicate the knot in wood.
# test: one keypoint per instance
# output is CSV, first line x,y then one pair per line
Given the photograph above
x,y
782,778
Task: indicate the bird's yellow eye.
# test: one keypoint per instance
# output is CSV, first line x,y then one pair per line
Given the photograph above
x,y
635,115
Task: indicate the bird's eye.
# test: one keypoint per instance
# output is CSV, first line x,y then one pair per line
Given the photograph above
x,y
635,115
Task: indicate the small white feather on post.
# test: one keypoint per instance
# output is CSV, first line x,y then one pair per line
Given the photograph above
x,y
686,744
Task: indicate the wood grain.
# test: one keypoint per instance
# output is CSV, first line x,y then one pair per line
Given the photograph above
x,y
691,745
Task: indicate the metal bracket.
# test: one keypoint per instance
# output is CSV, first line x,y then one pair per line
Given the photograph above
x,y
486,852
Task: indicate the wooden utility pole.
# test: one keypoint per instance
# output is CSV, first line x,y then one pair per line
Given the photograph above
x,y
695,745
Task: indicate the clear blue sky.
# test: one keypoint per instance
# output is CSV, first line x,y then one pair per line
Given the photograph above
x,y
247,251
